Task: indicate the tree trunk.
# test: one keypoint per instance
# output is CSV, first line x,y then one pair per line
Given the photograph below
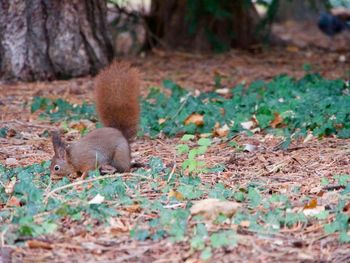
x,y
171,26
49,39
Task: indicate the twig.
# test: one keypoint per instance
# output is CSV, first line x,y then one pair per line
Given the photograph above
x,y
172,170
174,205
333,187
181,106
91,180
2,237
33,125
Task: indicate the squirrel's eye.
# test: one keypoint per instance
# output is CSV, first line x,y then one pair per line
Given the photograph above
x,y
57,167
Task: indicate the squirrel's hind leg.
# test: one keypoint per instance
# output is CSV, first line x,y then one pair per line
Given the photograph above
x,y
121,158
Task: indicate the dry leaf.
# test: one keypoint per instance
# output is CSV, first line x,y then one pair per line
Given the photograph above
x,y
162,120
134,208
176,194
292,49
251,125
197,93
223,91
276,121
305,257
221,131
38,244
81,125
346,208
244,223
10,186
11,133
13,201
248,125
314,211
78,126
205,135
312,204
195,118
117,227
315,190
210,208
98,199
308,138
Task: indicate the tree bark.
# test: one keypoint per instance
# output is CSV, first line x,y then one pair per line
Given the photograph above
x,y
169,26
49,39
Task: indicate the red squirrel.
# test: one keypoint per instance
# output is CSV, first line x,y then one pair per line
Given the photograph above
x,y
117,89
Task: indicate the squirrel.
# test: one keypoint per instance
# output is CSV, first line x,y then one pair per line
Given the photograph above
x,y
117,89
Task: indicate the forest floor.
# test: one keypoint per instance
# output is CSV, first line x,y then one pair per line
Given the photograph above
x,y
303,166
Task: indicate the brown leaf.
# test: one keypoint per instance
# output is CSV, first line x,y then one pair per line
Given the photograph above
x,y
205,135
13,201
79,126
11,133
195,118
245,223
346,208
292,49
38,244
176,194
312,204
161,120
210,208
117,227
221,131
134,208
251,125
276,121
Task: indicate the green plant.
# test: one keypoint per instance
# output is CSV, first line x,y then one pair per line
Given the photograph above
x,y
192,164
61,110
283,106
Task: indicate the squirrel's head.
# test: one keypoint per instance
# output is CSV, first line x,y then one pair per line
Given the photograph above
x,y
59,165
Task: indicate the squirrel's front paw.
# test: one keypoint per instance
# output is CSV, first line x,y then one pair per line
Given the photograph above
x,y
107,169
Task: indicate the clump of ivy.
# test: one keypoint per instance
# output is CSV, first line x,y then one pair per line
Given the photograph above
x,y
311,104
264,213
61,110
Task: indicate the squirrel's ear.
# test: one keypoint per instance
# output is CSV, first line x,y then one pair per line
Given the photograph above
x,y
59,146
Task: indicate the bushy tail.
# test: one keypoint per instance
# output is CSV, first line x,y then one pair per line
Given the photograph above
x,y
117,90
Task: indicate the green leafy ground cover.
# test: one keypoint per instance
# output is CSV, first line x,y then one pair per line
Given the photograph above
x,y
266,213
39,205
310,104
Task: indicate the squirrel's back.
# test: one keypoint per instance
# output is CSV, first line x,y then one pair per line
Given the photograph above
x,y
117,89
